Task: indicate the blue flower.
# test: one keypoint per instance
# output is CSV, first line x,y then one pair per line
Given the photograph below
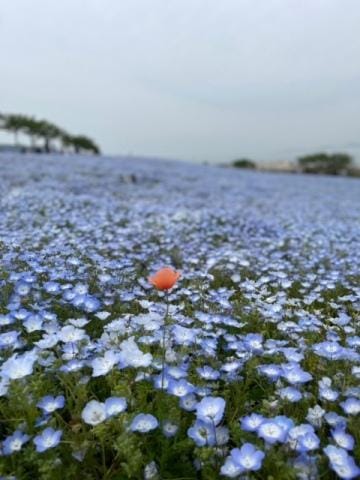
x,y
49,403
9,340
208,373
291,394
248,458
202,433
19,366
169,428
272,432
114,406
341,462
94,413
188,402
49,438
272,371
144,423
343,439
251,422
211,409
180,388
293,373
13,443
351,406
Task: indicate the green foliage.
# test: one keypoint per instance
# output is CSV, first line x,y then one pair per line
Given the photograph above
x,y
331,164
244,163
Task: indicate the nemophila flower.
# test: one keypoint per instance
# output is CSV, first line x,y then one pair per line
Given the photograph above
x,y
183,335
306,467
352,392
10,340
230,468
251,422
253,342
329,350
164,279
49,403
325,390
272,371
290,394
292,354
161,381
335,420
293,373
94,413
91,304
202,433
188,402
19,366
169,428
351,406
180,388
72,366
71,334
114,406
22,288
341,462
13,443
211,409
208,373
33,323
144,423
248,458
151,471
49,438
52,287
131,356
47,341
343,439
272,432
103,365
6,320
315,415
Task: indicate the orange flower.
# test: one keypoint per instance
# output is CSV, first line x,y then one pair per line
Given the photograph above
x,y
164,279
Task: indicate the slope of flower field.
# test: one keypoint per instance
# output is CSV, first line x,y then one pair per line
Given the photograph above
x,y
248,367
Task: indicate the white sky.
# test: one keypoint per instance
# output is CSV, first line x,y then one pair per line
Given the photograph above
x,y
204,80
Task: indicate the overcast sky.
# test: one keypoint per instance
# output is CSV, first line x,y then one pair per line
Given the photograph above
x,y
203,80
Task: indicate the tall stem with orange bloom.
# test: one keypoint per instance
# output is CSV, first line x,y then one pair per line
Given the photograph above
x,y
164,280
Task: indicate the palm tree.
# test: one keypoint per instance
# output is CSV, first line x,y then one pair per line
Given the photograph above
x,y
84,144
46,131
14,123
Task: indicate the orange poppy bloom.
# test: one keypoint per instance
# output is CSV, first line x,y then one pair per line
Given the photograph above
x,y
164,279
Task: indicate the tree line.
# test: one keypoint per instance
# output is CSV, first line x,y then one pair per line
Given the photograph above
x,y
317,163
50,136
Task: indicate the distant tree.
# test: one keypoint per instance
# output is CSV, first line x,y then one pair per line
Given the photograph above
x,y
84,144
47,132
14,124
244,163
331,164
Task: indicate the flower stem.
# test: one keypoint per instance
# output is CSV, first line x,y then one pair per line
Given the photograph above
x,y
164,341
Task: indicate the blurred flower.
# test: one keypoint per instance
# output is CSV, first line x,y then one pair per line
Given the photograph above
x,y
164,279
49,438
143,423
94,413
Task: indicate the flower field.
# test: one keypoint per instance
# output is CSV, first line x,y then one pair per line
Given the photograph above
x,y
241,362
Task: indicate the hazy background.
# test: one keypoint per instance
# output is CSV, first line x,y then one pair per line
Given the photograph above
x,y
203,80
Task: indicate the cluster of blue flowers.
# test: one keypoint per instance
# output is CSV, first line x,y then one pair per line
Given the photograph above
x,y
254,355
